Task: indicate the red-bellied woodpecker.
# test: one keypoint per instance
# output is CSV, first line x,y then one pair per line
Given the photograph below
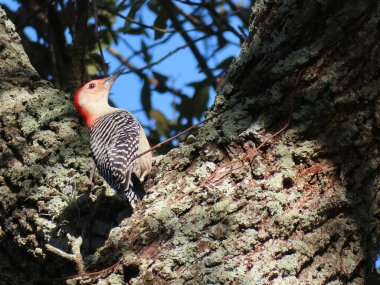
x,y
116,138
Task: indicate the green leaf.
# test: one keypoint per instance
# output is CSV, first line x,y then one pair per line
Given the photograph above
x,y
200,98
225,63
160,22
106,38
185,109
97,60
161,88
153,6
111,103
146,97
144,49
162,124
105,21
132,12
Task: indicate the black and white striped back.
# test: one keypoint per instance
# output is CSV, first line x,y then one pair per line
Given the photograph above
x,y
114,140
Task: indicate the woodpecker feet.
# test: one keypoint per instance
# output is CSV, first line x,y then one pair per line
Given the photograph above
x,y
90,180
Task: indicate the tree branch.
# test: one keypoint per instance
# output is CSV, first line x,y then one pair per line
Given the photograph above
x,y
178,26
139,52
67,18
78,68
142,75
218,18
104,65
35,13
239,12
170,54
130,20
76,256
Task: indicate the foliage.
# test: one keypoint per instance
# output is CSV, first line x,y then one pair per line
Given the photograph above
x,y
204,27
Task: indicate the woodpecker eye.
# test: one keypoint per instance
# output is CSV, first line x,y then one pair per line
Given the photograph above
x,y
91,86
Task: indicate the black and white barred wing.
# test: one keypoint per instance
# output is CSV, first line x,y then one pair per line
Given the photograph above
x,y
114,142
120,156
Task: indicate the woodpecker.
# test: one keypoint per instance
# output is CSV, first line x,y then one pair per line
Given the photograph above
x,y
116,138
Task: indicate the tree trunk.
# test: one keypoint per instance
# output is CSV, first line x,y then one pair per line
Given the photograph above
x,y
238,203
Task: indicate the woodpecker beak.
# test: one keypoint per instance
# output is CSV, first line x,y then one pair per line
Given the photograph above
x,y
108,82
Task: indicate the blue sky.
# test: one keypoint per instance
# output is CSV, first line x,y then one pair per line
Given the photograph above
x,y
181,68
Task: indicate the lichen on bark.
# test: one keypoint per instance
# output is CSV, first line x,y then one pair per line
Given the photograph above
x,y
304,208
45,158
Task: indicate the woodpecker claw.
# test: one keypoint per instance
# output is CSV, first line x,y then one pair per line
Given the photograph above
x,y
111,79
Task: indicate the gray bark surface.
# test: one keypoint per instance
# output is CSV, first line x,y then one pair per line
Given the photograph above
x,y
302,209
44,163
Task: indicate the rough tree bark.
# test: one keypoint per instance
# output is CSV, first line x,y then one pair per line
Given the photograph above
x,y
302,209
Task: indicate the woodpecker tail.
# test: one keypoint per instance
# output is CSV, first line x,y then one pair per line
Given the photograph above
x,y
135,192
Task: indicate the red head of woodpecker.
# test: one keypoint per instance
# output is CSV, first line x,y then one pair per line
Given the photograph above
x,y
116,138
91,100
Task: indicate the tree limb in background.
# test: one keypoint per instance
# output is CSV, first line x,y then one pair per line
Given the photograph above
x,y
139,52
78,68
152,80
135,6
171,53
190,3
67,18
53,56
193,20
130,20
199,25
178,26
159,84
223,22
239,12
95,11
35,14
